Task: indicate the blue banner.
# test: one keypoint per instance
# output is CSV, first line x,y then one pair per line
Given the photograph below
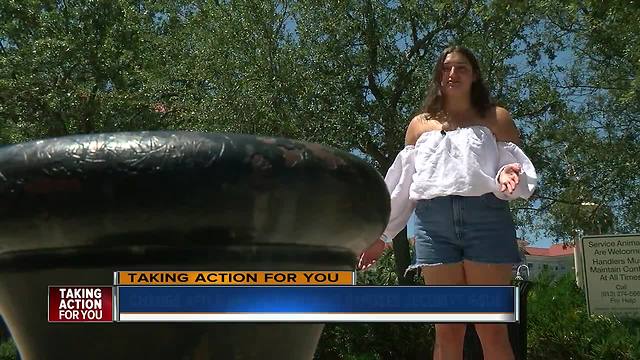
x,y
317,299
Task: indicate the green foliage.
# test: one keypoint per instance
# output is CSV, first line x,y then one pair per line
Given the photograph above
x,y
586,144
348,74
73,67
560,328
351,74
376,340
8,350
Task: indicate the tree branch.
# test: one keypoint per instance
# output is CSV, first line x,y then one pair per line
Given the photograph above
x,y
414,30
417,46
595,87
404,74
91,110
285,15
561,201
371,40
372,150
537,112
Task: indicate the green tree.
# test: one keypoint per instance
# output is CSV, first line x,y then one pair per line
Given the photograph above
x,y
8,350
344,73
74,67
589,145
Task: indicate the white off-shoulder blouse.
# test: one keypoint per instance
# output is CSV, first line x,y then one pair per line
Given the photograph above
x,y
465,162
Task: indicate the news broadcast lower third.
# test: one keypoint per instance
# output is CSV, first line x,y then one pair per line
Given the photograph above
x,y
273,296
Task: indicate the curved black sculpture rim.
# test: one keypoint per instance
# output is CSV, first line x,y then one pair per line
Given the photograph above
x,y
93,187
153,152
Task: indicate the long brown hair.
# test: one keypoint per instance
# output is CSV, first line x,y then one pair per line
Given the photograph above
x,y
480,98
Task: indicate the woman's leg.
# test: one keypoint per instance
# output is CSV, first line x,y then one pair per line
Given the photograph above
x,y
449,337
494,337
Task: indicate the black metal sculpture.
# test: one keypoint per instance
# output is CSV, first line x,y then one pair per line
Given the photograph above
x,y
75,209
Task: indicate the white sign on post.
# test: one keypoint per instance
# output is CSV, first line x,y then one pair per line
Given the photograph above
x,y
611,268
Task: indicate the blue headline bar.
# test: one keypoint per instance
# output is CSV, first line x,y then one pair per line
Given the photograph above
x,y
316,299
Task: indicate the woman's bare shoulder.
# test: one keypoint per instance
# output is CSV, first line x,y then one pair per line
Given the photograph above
x,y
501,124
420,124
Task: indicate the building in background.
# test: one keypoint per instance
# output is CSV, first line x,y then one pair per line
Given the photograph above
x,y
558,259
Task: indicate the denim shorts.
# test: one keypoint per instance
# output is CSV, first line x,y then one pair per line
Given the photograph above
x,y
450,229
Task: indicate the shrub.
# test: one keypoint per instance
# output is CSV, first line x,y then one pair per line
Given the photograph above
x,y
8,350
560,328
376,341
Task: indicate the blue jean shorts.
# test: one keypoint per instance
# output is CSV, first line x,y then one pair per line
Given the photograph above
x,y
450,229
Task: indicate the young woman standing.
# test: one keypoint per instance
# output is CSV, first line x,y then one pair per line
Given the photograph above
x,y
460,165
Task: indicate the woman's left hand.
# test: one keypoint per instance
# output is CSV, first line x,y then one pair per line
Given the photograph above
x,y
509,177
371,254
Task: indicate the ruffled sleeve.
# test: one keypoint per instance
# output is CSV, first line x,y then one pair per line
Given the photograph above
x,y
398,179
509,153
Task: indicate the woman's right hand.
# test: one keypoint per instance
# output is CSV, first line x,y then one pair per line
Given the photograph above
x,y
371,254
509,177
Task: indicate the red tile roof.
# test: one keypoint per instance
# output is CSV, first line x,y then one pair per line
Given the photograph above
x,y
554,250
537,251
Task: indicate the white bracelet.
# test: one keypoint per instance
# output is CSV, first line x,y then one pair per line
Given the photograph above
x,y
384,238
